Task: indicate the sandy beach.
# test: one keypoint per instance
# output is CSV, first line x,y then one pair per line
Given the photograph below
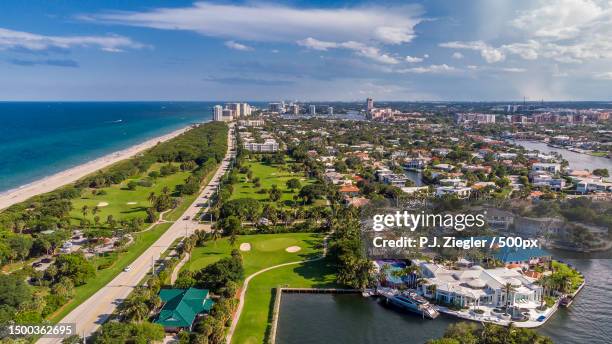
x,y
70,175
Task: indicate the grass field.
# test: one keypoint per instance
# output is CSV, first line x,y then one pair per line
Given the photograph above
x,y
124,203
268,175
266,250
256,316
119,261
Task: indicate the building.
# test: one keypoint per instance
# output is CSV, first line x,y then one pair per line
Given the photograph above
x,y
235,107
245,109
545,179
268,146
218,113
478,118
228,115
459,191
417,163
547,167
330,111
181,307
276,107
593,185
479,287
294,109
312,110
251,123
370,104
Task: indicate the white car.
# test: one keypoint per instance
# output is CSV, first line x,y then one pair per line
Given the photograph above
x,y
127,268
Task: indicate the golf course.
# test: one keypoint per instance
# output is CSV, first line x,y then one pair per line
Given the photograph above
x,y
268,175
266,250
122,202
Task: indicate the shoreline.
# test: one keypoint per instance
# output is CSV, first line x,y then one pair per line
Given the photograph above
x,y
72,174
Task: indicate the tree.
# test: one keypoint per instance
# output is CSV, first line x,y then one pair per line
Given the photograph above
x,y
508,288
74,339
293,183
74,266
85,210
14,291
132,184
601,172
274,193
134,308
473,333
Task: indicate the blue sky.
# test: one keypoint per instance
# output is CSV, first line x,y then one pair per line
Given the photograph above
x,y
306,50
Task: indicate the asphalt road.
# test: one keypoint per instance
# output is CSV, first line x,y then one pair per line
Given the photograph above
x,y
92,313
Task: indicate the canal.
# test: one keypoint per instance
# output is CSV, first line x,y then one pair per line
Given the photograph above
x,y
326,318
576,160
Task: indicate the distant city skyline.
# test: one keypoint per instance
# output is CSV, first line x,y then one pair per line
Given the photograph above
x,y
306,50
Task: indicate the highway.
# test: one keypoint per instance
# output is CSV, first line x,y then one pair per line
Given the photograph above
x,y
92,313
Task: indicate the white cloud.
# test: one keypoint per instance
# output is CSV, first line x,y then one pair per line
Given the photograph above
x,y
277,23
497,69
317,44
414,59
237,46
559,19
604,76
489,53
10,39
565,31
457,55
360,49
433,69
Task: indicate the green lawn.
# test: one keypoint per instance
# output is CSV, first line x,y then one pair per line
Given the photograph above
x,y
256,319
268,175
124,203
266,250
120,261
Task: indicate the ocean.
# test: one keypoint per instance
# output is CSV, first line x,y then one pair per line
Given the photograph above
x,y
38,139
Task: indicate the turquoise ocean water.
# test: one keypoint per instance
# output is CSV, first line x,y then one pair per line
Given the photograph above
x,y
38,139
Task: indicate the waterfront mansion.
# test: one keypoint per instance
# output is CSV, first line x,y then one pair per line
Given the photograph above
x,y
476,286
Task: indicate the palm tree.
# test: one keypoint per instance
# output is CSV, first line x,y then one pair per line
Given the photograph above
x,y
216,234
95,210
382,275
85,210
508,288
134,309
152,198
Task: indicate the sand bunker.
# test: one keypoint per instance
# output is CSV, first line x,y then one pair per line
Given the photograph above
x,y
131,203
245,246
292,249
102,204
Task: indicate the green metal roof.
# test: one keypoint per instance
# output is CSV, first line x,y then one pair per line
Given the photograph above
x,y
181,306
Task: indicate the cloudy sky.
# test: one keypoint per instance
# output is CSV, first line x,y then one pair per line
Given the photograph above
x,y
306,50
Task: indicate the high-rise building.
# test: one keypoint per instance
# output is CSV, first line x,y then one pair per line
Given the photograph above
x,y
245,110
218,113
277,107
228,114
330,111
295,109
234,107
370,105
312,110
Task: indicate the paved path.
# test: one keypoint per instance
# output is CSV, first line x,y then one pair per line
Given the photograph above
x,y
94,311
178,267
245,286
